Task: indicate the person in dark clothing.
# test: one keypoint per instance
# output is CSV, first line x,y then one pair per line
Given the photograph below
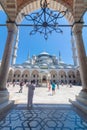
x,y
21,86
53,87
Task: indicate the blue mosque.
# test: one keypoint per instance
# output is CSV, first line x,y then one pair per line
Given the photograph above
x,y
44,67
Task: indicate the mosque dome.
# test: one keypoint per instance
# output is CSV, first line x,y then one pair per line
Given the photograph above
x,y
36,66
27,66
44,66
69,67
52,67
20,66
44,53
27,62
60,67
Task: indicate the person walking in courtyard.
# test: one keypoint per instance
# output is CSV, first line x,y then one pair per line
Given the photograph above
x,y
31,88
70,85
21,86
57,85
53,87
48,86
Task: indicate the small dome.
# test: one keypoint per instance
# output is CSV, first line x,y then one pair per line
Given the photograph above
x,y
19,66
61,62
27,66
60,67
36,66
44,64
27,62
52,67
69,67
44,53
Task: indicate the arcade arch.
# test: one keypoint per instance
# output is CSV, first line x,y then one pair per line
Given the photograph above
x,y
71,77
10,76
62,76
16,76
35,75
53,74
25,75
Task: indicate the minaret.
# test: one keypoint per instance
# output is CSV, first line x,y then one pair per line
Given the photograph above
x,y
28,56
14,55
74,51
59,57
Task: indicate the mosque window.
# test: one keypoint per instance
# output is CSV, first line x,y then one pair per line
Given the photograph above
x,y
69,76
73,76
34,75
22,75
65,76
13,80
18,75
26,75
14,75
53,76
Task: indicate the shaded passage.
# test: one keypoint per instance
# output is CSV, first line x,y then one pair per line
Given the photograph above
x,y
43,117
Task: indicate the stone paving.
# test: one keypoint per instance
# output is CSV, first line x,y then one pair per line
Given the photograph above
x,y
48,112
42,95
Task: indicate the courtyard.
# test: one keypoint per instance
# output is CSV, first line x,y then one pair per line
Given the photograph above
x,y
43,96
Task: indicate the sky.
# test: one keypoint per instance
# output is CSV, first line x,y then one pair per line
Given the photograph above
x,y
36,44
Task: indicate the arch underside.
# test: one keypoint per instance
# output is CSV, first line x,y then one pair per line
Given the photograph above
x,y
1,8
35,5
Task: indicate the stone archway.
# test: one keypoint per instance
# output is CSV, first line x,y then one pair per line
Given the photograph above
x,y
53,75
71,76
62,76
13,10
35,76
16,76
25,76
31,6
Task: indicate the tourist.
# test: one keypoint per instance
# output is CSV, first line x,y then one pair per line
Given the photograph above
x,y
53,87
70,85
31,88
48,85
57,85
21,86
13,84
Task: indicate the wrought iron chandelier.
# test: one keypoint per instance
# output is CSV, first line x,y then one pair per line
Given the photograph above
x,y
45,21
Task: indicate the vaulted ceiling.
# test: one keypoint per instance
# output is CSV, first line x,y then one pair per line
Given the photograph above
x,y
69,2
22,2
14,7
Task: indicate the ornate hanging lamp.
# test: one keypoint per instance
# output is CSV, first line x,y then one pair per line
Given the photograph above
x,y
45,21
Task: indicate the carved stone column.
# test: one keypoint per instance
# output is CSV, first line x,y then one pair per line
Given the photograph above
x,y
77,29
82,97
6,61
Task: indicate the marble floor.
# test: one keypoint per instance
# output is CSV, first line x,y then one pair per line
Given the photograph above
x,y
48,112
43,117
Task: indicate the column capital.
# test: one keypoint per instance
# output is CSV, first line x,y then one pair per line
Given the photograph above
x,y
77,28
12,27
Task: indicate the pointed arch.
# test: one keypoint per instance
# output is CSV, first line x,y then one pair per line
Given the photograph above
x,y
30,6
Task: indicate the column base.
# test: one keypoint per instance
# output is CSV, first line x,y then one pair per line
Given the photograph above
x,y
4,96
81,101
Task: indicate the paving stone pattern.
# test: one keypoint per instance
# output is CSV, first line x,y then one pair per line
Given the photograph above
x,y
43,118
